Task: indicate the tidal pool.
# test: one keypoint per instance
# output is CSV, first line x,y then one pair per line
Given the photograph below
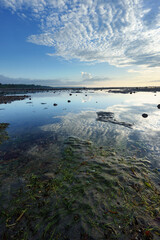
x,y
68,174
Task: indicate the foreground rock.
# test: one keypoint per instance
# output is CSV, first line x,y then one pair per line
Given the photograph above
x,y
109,117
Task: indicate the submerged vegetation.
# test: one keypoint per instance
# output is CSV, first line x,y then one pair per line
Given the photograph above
x,y
3,134
91,193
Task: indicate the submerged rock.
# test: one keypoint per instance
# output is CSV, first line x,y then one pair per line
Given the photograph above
x,y
109,117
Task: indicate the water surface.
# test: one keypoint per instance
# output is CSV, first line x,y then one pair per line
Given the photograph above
x,y
66,175
35,119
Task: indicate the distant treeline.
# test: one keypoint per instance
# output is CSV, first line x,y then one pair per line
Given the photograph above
x,y
23,86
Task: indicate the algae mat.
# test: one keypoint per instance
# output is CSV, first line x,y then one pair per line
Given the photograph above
x,y
3,133
89,193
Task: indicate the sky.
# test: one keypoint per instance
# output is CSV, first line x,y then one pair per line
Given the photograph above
x,y
95,43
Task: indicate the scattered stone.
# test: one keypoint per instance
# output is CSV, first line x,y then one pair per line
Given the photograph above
x,y
144,115
55,104
43,103
70,94
158,106
69,101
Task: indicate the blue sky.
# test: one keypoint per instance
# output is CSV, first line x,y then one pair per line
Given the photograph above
x,y
80,42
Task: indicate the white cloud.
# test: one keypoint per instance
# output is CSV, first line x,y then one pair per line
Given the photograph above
x,y
86,75
90,80
120,32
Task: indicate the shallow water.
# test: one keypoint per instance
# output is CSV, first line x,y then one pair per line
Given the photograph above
x,y
63,159
37,120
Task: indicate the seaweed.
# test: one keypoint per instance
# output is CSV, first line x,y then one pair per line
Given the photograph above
x,y
91,195
3,133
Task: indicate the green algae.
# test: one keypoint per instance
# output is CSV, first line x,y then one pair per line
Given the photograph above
x,y
3,133
94,194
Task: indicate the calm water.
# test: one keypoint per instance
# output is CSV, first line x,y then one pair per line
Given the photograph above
x,y
37,121
56,184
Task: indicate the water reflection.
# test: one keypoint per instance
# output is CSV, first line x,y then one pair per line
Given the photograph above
x,y
50,179
78,118
142,139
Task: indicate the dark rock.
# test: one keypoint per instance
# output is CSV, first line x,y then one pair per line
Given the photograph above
x,y
109,117
144,115
9,99
158,106
55,104
69,101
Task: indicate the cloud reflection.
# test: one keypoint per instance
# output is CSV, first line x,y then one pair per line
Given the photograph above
x,y
145,135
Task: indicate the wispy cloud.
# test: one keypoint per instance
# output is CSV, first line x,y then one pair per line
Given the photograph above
x,y
121,32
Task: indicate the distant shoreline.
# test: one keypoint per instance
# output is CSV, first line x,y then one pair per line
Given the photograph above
x,y
18,90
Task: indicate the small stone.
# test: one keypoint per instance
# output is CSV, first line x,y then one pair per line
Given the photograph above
x,y
49,175
113,154
55,104
144,115
69,101
76,217
158,106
